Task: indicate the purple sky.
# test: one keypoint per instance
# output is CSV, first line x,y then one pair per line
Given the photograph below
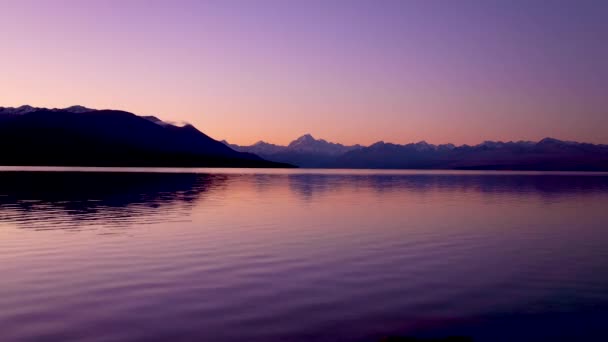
x,y
347,71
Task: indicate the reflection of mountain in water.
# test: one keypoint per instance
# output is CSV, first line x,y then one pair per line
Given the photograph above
x,y
308,185
49,200
58,200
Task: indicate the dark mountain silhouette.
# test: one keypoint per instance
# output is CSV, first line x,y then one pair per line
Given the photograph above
x,y
545,155
305,151
80,136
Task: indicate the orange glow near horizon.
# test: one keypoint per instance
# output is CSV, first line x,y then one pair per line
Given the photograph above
x,y
396,72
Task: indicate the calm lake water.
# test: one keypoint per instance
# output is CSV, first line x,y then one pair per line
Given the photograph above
x,y
302,255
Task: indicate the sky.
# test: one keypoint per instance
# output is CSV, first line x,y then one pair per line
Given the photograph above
x,y
349,71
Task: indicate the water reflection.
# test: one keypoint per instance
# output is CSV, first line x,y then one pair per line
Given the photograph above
x,y
301,256
309,185
51,200
58,200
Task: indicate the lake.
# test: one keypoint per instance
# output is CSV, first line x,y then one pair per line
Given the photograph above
x,y
301,255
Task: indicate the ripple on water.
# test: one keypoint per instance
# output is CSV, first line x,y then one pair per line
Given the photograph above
x,y
298,256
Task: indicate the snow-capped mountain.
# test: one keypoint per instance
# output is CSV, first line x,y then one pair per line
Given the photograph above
x,y
546,154
25,109
308,144
306,151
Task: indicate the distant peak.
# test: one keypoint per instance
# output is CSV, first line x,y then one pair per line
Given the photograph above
x,y
19,110
549,140
306,137
78,109
305,140
491,143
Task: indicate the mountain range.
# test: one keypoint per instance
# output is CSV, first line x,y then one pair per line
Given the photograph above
x,y
305,151
545,155
79,136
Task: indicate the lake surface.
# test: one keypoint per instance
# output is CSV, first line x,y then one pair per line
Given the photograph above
x,y
302,255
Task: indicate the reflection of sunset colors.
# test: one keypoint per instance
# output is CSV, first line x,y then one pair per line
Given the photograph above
x,y
351,72
274,255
